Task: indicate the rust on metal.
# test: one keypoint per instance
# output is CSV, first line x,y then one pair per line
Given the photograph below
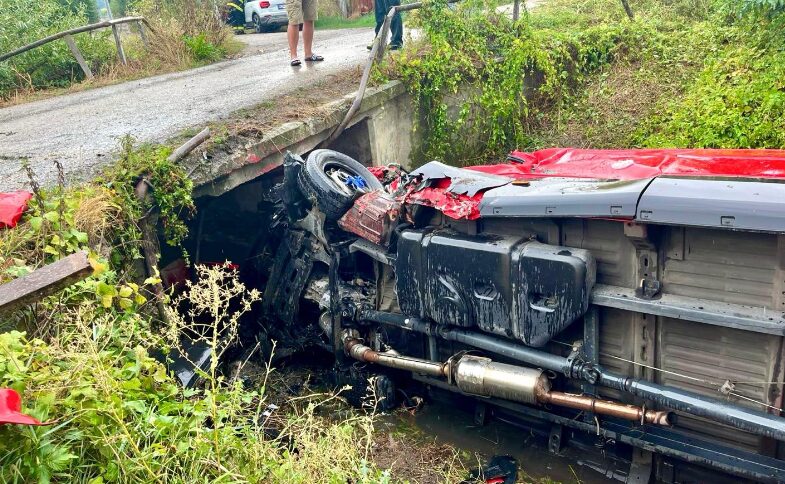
x,y
359,351
606,407
373,217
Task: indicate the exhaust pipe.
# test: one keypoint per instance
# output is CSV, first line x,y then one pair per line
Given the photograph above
x,y
480,376
749,420
359,351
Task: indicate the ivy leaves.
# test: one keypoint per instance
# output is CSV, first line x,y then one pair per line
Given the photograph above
x,y
479,78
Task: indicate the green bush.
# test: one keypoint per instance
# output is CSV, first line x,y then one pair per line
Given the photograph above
x,y
115,415
737,99
202,49
82,7
479,80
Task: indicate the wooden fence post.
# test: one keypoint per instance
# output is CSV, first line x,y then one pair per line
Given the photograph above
x,y
75,51
120,51
627,9
143,34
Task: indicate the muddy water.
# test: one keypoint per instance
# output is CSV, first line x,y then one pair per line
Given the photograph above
x,y
456,427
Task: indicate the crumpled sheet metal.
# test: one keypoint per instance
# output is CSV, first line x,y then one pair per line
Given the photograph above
x,y
640,164
457,192
12,206
462,182
439,197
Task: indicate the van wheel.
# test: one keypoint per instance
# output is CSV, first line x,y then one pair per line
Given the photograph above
x,y
333,181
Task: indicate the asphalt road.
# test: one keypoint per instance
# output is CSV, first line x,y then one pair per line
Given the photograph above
x,y
82,129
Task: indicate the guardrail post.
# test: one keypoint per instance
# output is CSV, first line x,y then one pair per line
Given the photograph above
x,y
75,51
120,51
143,34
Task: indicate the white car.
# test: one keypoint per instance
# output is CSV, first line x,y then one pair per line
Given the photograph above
x,y
265,15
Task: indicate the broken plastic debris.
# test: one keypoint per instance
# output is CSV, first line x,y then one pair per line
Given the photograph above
x,y
11,409
12,206
269,410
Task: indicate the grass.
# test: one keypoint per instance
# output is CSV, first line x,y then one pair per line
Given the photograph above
x,y
618,105
331,23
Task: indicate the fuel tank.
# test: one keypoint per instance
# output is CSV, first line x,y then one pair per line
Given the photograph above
x,y
506,285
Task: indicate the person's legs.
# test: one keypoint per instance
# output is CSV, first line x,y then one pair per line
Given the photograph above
x,y
293,34
308,38
294,10
379,12
309,17
396,27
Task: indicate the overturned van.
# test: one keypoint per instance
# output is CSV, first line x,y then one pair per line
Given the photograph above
x,y
629,298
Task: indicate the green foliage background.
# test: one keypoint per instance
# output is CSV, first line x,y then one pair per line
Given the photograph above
x,y
52,65
736,100
685,73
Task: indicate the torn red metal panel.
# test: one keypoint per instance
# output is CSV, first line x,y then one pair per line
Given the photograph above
x,y
11,409
12,206
379,171
453,205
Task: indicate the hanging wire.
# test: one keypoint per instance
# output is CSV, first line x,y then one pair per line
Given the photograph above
x,y
701,380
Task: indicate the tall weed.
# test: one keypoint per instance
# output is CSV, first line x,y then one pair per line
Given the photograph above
x,y
115,414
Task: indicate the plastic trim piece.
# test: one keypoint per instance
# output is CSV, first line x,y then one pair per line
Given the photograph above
x,y
564,197
731,203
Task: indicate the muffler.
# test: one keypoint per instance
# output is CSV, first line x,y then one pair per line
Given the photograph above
x,y
476,375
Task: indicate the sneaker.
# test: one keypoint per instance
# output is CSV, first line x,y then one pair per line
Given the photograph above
x,y
396,46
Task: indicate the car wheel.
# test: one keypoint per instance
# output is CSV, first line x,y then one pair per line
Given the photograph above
x,y
333,181
257,23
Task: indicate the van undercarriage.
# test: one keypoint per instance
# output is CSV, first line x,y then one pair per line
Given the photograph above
x,y
641,317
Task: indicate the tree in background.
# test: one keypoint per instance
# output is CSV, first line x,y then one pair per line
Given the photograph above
x,y
119,7
82,7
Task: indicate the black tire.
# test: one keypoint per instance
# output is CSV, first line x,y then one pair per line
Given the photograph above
x,y
257,24
319,188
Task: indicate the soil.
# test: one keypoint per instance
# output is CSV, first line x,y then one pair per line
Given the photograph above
x,y
412,456
250,125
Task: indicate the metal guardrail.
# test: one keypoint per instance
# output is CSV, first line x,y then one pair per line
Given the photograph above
x,y
141,22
